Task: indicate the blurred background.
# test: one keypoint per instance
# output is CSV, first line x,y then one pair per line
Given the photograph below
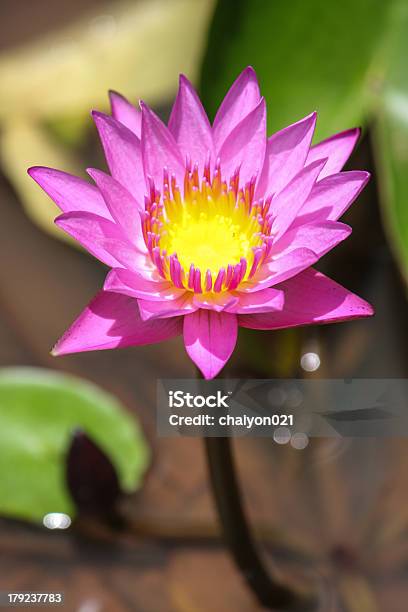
x,y
92,503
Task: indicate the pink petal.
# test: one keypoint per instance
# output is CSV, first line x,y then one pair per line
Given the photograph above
x,y
111,321
286,205
244,148
331,196
242,97
69,192
319,237
265,300
123,207
182,305
159,149
190,126
215,301
311,298
123,154
280,269
337,149
134,284
286,153
210,339
126,113
102,238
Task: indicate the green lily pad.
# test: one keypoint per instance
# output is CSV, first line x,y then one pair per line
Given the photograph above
x,y
39,409
347,60
313,55
391,143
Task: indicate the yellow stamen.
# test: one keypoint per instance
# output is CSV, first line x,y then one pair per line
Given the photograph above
x,y
213,227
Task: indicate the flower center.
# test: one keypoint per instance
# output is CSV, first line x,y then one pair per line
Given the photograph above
x,y
211,239
208,239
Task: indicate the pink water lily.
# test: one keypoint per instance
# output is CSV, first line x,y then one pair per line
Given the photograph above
x,y
207,228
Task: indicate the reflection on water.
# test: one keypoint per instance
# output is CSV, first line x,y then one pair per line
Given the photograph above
x,y
56,520
310,362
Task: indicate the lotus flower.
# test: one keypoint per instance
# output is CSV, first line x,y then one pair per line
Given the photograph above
x,y
207,228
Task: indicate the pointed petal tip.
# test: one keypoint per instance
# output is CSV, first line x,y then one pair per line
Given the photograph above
x,y
116,99
347,229
94,172
185,83
32,170
35,172
260,106
363,309
39,172
147,112
353,133
56,350
249,72
98,116
209,375
311,298
362,175
306,123
349,132
62,217
209,339
370,310
317,163
310,119
115,94
60,221
183,79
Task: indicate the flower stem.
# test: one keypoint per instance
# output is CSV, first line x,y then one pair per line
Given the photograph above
x,y
269,591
